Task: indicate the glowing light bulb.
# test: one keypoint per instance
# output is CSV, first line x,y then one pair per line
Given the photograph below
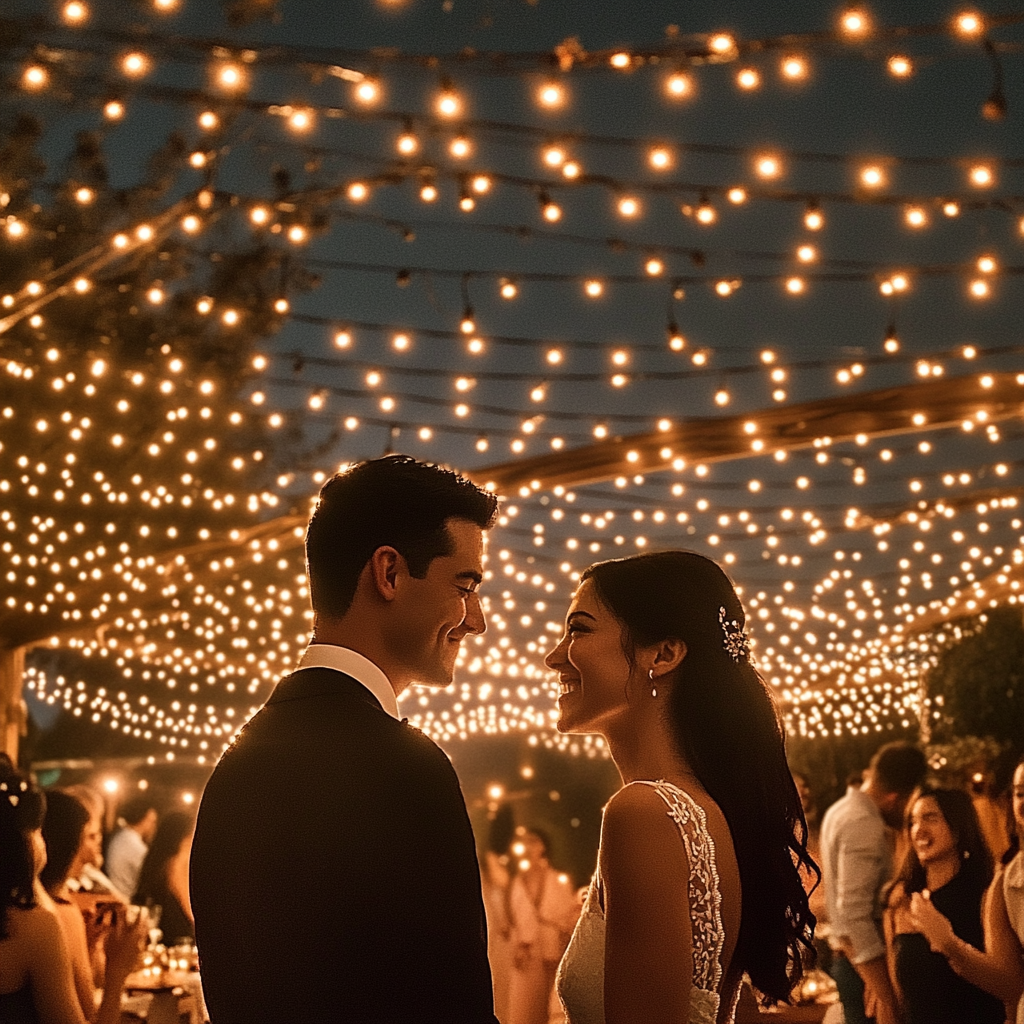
x,y
407,144
593,289
259,215
551,211
84,195
979,289
855,22
678,85
342,339
35,77
508,290
367,91
401,342
620,61
676,342
135,65
481,184
988,264
230,76
722,397
659,158
358,191
794,68
981,176
706,213
795,285
113,110
806,254
197,160
296,234
725,288
900,65
872,176
737,195
448,103
554,156
628,206
551,95
722,44
191,224
915,217
300,120
654,266
467,203
768,166
814,219
969,24
428,193
748,78
460,147
82,285
75,12
208,120
570,169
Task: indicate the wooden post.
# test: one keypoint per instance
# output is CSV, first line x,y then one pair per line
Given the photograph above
x,y
12,707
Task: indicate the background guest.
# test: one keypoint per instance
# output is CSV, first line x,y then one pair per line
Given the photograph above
x,y
495,879
163,878
948,859
543,911
36,975
856,862
129,844
998,967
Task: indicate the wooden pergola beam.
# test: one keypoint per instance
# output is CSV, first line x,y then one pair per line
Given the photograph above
x,y
928,405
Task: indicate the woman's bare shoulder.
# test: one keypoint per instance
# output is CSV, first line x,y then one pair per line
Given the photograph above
x,y
37,925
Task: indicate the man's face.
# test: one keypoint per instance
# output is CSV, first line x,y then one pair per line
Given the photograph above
x,y
432,615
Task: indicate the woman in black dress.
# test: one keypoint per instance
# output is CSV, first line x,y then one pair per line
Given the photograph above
x,y
948,862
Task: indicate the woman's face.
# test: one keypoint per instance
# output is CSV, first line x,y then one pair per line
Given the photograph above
x,y
930,835
591,664
1018,800
90,847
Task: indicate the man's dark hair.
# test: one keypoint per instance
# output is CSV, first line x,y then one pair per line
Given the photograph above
x,y
393,502
899,767
135,809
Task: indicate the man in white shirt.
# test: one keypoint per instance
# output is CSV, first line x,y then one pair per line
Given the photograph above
x,y
128,846
856,862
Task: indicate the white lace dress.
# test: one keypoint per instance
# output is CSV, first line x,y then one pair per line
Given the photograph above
x,y
580,979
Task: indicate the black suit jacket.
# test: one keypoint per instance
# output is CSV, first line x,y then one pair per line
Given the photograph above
x,y
334,873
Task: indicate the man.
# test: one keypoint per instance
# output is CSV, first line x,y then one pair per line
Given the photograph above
x,y
856,854
128,845
334,871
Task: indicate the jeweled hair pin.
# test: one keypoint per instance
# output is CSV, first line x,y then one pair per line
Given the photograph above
x,y
734,639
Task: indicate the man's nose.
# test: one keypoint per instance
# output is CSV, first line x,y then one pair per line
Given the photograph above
x,y
475,621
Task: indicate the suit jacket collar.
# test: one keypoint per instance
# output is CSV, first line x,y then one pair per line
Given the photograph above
x,y
307,684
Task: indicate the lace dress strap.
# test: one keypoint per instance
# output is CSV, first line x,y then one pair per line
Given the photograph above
x,y
704,891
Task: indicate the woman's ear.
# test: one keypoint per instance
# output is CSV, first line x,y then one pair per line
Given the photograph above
x,y
668,656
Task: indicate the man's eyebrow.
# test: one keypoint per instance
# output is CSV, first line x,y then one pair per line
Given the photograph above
x,y
569,618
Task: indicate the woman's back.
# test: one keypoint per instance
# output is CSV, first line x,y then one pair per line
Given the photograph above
x,y
707,889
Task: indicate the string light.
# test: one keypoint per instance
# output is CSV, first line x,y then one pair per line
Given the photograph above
x,y
900,65
748,78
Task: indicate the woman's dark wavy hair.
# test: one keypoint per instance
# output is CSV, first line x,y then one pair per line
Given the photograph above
x,y
958,811
22,807
173,828
727,727
957,808
1015,836
65,821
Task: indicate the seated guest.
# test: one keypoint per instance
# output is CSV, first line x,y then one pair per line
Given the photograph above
x,y
948,863
163,880
36,978
91,884
129,844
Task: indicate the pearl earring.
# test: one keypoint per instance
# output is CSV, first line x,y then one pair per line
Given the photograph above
x,y
654,689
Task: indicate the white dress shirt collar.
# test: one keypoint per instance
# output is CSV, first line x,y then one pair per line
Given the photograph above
x,y
343,659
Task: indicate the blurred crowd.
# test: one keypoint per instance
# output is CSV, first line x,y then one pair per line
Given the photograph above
x,y
75,919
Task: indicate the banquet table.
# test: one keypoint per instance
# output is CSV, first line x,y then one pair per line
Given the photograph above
x,y
166,997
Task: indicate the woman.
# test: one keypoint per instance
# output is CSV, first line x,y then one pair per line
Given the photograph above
x,y
998,966
163,880
73,840
946,858
36,980
698,876
543,911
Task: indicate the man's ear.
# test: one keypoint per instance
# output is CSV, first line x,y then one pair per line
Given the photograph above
x,y
383,570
